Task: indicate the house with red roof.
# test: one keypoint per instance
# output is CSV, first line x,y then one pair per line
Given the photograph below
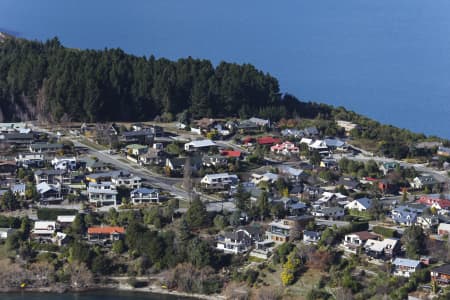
x,y
268,140
285,148
248,141
105,233
439,204
231,153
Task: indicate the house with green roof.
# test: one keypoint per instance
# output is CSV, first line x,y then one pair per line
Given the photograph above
x,y
388,167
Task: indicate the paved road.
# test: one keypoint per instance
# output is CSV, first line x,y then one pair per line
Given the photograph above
x,y
330,223
440,176
156,180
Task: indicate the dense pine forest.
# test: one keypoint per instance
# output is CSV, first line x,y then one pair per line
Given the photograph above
x,y
50,82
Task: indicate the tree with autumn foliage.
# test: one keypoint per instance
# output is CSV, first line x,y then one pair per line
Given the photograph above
x,y
290,269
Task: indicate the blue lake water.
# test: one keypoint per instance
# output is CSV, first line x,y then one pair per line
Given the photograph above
x,y
389,60
100,295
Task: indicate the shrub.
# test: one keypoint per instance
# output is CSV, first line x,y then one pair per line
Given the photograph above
x,y
50,214
386,232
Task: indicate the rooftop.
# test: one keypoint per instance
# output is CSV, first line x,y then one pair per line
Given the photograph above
x,y
445,269
406,262
268,140
201,143
106,230
136,147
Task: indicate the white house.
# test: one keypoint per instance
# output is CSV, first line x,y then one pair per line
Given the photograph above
x,y
65,220
357,240
219,181
64,163
126,179
427,222
260,122
199,145
239,241
318,145
311,237
423,181
285,148
43,229
348,126
101,194
19,189
334,144
328,197
49,192
386,248
361,204
405,267
444,229
30,160
293,174
44,147
332,213
5,233
267,177
144,195
136,149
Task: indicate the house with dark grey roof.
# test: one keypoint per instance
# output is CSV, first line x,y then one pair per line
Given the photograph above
x,y
238,241
311,131
176,164
361,204
293,174
45,147
441,274
144,136
422,181
52,176
214,161
247,126
19,189
311,237
144,195
101,194
333,213
16,138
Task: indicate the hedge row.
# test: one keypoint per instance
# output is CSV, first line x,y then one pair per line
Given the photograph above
x,y
51,214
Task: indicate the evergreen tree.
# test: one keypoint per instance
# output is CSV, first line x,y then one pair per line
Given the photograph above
x,y
242,198
263,205
196,215
414,240
9,201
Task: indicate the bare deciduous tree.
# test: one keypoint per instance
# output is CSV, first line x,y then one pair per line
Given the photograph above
x,y
235,291
80,276
268,293
187,177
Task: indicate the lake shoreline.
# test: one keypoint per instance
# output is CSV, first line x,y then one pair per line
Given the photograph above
x,y
151,289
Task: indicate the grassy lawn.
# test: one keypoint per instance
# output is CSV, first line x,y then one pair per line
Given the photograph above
x,y
184,204
303,285
3,252
91,144
298,290
366,144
